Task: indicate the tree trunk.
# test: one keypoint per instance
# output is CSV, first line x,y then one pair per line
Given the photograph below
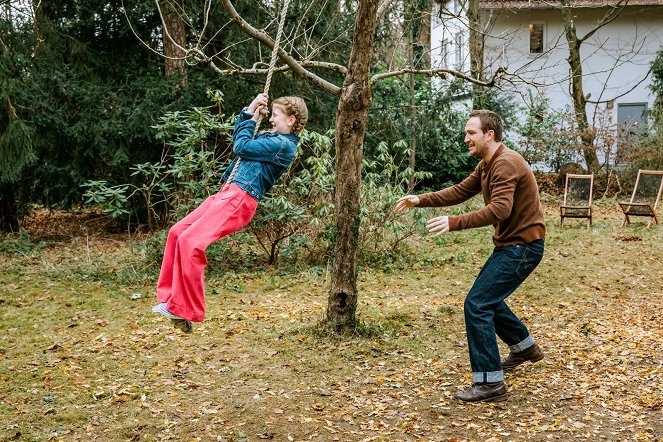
x,y
351,119
424,40
586,132
8,15
8,209
175,62
476,43
412,160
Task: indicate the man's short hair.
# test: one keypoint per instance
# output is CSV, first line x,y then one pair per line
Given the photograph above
x,y
489,121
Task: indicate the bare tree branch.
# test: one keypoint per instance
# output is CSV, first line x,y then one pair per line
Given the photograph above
x,y
283,55
441,73
383,7
624,93
609,17
300,67
284,68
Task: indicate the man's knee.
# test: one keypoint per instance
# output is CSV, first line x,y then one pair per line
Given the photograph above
x,y
471,306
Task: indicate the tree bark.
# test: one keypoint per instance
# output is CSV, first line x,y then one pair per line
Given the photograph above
x,y
174,39
412,160
424,39
586,132
351,118
476,43
8,209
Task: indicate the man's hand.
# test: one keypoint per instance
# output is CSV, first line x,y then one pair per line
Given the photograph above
x,y
406,202
438,226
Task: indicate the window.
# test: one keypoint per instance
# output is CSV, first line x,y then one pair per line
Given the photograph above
x,y
632,120
459,51
536,38
445,50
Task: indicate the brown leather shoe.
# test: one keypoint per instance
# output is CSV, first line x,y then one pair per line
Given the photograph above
x,y
489,392
532,354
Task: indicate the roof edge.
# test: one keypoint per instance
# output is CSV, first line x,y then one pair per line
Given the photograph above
x,y
554,4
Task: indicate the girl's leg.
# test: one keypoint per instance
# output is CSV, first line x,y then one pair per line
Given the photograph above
x,y
231,210
165,284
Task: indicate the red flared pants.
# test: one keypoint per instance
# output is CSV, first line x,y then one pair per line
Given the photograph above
x,y
182,279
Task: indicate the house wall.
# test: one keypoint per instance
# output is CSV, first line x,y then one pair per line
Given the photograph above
x,y
450,36
615,59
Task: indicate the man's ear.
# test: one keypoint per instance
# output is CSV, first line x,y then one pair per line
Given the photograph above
x,y
491,134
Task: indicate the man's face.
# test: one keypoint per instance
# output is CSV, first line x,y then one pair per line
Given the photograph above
x,y
475,138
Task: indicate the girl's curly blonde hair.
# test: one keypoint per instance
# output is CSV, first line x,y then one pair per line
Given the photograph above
x,y
294,106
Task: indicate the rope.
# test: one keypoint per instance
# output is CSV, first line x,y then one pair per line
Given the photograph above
x,y
268,81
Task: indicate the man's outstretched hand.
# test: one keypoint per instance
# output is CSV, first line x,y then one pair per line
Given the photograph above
x,y
406,202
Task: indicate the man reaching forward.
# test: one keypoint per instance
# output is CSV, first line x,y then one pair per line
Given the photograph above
x,y
512,206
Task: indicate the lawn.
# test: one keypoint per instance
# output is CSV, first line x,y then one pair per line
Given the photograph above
x,y
83,358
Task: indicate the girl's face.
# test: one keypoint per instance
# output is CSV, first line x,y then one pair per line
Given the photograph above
x,y
281,122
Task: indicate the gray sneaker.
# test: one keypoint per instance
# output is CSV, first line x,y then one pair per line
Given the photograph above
x,y
178,322
183,324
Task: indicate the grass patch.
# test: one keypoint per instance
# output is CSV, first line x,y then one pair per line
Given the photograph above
x,y
21,245
82,358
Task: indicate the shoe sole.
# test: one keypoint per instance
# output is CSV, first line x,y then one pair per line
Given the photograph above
x,y
500,398
537,359
524,362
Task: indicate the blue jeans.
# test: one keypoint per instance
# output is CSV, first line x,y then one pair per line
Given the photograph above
x,y
486,313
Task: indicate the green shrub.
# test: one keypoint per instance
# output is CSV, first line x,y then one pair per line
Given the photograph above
x,y
294,221
21,244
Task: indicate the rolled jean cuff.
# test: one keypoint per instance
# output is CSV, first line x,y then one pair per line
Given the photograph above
x,y
487,376
522,345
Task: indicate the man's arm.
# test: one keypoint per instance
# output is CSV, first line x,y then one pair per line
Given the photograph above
x,y
453,195
462,191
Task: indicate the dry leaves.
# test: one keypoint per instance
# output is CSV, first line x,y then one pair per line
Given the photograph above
x,y
84,353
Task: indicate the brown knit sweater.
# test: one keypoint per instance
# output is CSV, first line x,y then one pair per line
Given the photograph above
x,y
511,196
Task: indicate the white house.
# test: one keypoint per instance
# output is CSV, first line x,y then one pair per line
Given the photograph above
x,y
450,37
528,38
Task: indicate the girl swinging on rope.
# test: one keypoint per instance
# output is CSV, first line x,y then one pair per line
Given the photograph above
x,y
260,160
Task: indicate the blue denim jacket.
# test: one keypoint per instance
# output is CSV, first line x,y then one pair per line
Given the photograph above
x,y
264,158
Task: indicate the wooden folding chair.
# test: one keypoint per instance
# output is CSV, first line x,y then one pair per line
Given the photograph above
x,y
645,197
578,192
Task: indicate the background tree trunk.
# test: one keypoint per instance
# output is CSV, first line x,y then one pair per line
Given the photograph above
x,y
424,39
476,43
8,208
351,118
586,132
412,160
175,63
